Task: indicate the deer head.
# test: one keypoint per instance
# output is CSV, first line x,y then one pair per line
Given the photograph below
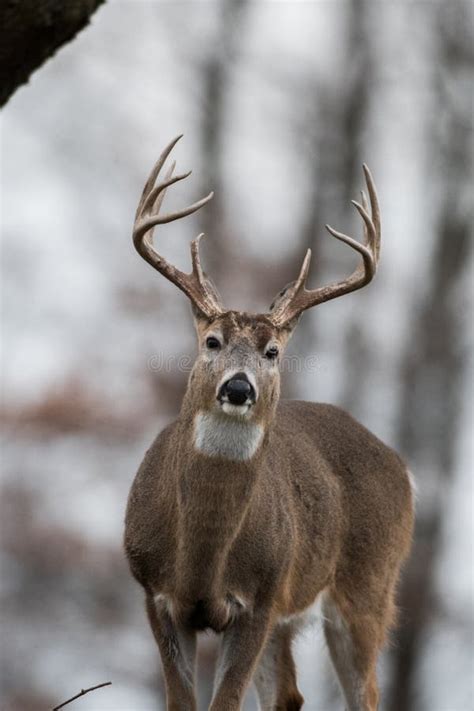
x,y
236,373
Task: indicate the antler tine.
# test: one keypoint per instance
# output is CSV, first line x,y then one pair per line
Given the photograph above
x,y
155,171
196,258
153,201
154,219
156,195
297,298
365,205
194,285
375,208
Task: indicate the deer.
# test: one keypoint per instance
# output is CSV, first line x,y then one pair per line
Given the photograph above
x,y
248,510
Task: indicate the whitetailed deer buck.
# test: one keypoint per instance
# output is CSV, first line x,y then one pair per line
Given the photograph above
x,y
247,508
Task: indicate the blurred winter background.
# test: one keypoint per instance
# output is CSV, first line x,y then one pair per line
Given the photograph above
x,y
280,104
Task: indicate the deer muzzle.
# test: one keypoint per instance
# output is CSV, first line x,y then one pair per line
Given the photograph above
x,y
237,390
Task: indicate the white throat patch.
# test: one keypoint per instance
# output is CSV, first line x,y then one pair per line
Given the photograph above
x,y
229,437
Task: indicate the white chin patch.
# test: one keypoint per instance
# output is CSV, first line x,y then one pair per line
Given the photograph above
x,y
230,409
234,438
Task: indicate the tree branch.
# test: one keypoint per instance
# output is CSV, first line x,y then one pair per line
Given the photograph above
x,y
31,31
83,692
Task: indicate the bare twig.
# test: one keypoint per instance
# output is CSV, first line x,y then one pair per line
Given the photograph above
x,y
82,693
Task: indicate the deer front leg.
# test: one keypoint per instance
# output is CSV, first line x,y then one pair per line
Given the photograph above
x,y
177,647
242,644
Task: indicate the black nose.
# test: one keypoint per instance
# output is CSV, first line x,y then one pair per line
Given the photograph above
x,y
237,390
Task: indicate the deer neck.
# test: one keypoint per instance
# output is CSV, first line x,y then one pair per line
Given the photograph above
x,y
219,468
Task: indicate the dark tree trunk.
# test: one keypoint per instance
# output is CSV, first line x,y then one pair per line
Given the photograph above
x,y
334,126
428,431
433,372
31,31
361,85
216,78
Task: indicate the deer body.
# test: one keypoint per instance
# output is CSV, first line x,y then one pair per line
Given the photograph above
x,y
247,508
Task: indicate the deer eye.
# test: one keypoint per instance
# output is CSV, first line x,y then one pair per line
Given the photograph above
x,y
212,342
271,353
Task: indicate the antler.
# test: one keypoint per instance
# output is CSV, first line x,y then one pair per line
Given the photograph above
x,y
297,298
194,285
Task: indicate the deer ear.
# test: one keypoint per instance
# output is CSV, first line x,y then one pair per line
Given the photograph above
x,y
278,300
